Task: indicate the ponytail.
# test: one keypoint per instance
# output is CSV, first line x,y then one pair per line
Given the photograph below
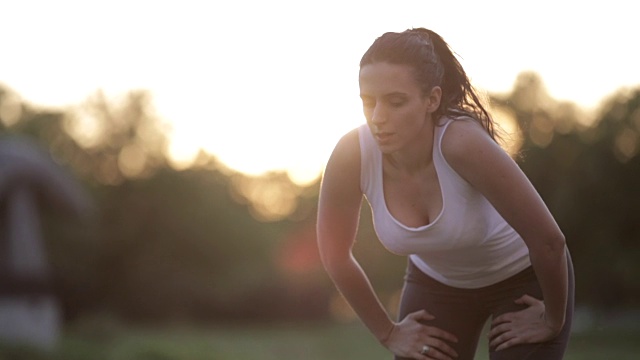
x,y
457,92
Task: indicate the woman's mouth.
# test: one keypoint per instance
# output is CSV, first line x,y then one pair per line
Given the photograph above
x,y
382,137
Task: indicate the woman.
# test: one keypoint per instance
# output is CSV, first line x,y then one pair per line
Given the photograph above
x,y
480,241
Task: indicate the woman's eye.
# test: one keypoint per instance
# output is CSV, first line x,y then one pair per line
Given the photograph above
x,y
368,103
396,101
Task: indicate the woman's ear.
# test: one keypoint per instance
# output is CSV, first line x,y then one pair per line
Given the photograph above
x,y
433,99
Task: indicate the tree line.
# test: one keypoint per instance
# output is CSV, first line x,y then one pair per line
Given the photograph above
x,y
205,243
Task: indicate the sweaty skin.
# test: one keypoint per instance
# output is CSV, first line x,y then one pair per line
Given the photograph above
x,y
399,115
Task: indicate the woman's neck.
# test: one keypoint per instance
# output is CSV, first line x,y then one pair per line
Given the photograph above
x,y
417,155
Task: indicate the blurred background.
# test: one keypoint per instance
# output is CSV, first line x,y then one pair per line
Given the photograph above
x,y
173,152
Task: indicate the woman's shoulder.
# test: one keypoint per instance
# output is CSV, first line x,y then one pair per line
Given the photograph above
x,y
349,142
463,136
341,177
463,126
346,153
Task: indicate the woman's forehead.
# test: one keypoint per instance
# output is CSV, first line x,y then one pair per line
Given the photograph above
x,y
387,77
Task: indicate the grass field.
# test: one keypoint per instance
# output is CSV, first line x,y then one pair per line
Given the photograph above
x,y
264,342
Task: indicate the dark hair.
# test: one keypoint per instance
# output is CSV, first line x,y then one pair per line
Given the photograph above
x,y
434,64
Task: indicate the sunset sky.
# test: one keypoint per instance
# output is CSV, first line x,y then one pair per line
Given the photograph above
x,y
272,85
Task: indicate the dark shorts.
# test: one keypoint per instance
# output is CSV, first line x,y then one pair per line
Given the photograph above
x,y
464,312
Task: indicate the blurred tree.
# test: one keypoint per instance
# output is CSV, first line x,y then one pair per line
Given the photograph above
x,y
270,197
587,170
121,138
10,108
200,243
180,246
209,243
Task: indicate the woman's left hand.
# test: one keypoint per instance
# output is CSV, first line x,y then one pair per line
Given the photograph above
x,y
521,327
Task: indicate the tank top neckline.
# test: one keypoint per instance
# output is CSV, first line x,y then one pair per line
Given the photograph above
x,y
436,151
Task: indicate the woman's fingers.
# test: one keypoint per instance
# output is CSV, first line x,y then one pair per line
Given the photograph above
x,y
527,300
497,330
439,349
504,318
433,337
504,341
430,330
520,327
437,339
498,335
421,315
523,300
440,334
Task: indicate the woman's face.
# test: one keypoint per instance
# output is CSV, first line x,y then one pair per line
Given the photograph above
x,y
396,108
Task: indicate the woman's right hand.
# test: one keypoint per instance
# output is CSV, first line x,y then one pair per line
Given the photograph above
x,y
409,337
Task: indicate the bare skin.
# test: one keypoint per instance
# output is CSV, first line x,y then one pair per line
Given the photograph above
x,y
398,113
480,161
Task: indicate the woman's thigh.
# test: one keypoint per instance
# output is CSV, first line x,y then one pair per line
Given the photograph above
x,y
455,310
550,350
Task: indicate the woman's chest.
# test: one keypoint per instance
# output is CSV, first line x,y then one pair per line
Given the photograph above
x,y
414,201
457,219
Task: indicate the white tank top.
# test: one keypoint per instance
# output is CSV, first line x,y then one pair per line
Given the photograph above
x,y
468,245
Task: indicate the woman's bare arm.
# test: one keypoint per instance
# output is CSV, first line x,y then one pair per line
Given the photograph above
x,y
487,167
338,217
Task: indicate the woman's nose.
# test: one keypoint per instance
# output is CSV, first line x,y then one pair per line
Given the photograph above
x,y
378,116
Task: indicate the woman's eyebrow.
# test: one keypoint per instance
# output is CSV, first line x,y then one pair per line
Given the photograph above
x,y
395,94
